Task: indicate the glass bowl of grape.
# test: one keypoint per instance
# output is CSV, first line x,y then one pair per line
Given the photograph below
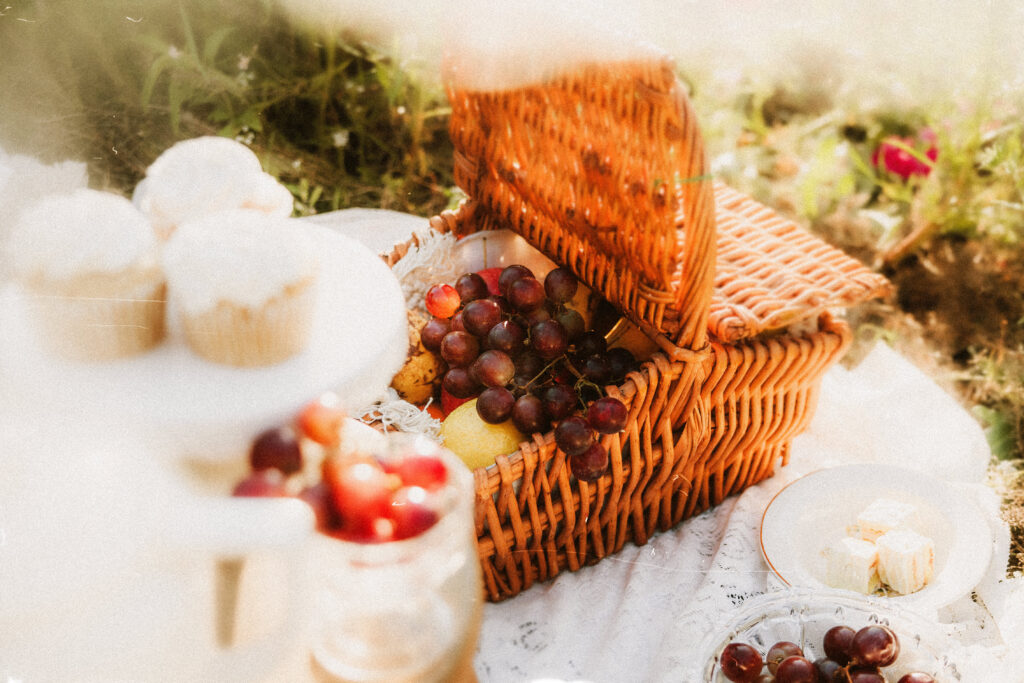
x,y
799,635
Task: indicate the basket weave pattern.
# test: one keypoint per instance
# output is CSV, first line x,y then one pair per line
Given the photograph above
x,y
571,165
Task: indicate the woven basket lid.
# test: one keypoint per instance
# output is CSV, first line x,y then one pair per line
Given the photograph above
x,y
772,273
602,168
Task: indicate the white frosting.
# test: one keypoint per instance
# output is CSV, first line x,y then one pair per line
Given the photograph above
x,y
87,231
240,256
197,177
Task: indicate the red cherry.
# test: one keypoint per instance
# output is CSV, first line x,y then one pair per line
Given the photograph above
x,y
321,420
411,512
425,471
442,301
490,276
361,492
267,483
318,497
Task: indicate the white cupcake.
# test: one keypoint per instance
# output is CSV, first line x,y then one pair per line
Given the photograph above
x,y
243,285
204,175
88,262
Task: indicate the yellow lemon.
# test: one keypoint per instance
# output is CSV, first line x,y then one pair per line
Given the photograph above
x,y
477,442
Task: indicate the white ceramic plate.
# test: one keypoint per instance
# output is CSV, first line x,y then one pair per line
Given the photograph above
x,y
197,409
803,616
813,511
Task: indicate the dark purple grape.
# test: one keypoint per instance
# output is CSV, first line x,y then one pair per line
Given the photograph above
x,y
864,674
590,464
591,344
433,332
916,677
607,415
548,339
559,401
278,449
458,322
535,316
503,304
740,662
561,374
470,287
573,323
493,368
836,643
827,669
573,435
268,483
507,336
560,285
795,669
494,404
460,383
510,274
597,369
459,349
528,415
525,294
480,316
622,362
875,646
780,651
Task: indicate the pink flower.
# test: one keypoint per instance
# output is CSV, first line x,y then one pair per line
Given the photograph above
x,y
892,155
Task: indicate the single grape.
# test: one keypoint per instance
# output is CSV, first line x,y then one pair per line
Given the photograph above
x,y
827,669
559,401
875,646
507,336
459,349
442,301
458,323
460,383
781,651
411,511
494,404
480,316
590,464
528,318
622,362
836,643
503,304
528,363
795,669
573,323
740,663
591,344
573,435
471,286
493,368
607,415
561,374
525,294
528,415
267,483
548,339
597,369
859,674
916,677
510,274
276,448
433,332
560,285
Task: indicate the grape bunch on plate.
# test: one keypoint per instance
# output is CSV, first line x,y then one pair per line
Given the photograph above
x,y
849,657
515,345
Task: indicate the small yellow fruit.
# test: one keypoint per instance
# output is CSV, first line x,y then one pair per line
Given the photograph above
x,y
416,380
477,442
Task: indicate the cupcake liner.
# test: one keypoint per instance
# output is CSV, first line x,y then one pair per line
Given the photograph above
x,y
101,317
233,334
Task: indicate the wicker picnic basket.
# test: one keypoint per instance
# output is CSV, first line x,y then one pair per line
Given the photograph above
x,y
602,168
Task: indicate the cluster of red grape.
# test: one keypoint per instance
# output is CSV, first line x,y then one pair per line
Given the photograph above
x,y
358,498
849,657
513,343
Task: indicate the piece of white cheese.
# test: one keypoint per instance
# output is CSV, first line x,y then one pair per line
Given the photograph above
x,y
906,560
884,515
852,564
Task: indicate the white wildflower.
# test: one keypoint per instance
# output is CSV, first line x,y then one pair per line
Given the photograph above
x,y
173,52
340,138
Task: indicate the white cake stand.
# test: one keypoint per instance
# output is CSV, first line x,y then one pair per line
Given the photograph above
x,y
199,410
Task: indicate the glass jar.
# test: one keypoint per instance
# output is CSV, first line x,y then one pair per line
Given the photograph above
x,y
404,610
